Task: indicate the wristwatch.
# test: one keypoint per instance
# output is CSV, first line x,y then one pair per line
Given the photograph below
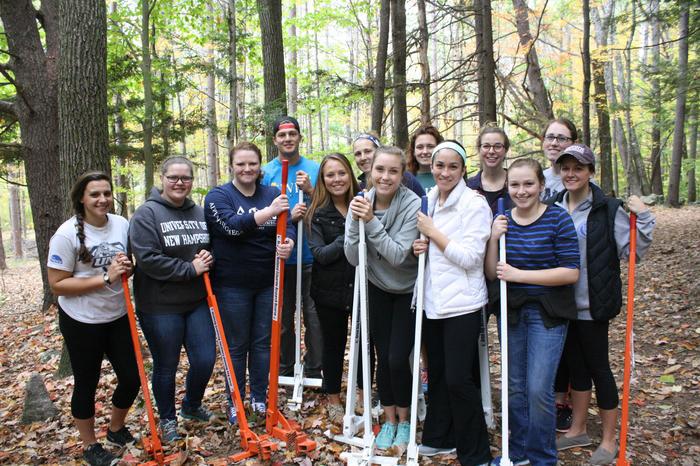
x,y
105,278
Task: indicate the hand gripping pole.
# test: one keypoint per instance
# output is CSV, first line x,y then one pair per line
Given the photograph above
x,y
276,424
152,445
505,459
252,444
366,456
629,343
298,382
412,449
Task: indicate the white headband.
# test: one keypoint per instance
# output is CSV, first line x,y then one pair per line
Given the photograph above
x,y
450,145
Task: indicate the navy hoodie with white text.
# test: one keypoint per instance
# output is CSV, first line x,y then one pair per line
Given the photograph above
x,y
164,240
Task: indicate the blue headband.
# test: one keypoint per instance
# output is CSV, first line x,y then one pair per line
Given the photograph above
x,y
369,137
450,145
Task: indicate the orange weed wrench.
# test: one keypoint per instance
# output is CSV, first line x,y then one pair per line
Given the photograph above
x,y
252,443
276,424
152,446
622,457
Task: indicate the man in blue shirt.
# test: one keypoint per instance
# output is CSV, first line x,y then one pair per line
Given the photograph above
x,y
302,176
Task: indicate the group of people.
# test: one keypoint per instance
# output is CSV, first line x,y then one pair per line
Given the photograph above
x,y
565,239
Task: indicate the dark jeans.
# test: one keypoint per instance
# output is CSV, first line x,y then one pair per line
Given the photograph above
x,y
533,356
166,334
334,323
313,339
455,415
247,317
586,350
87,344
392,325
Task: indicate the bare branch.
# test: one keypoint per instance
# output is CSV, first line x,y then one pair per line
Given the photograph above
x,y
8,108
12,182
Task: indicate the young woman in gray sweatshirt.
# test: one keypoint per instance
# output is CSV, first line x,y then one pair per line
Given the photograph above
x,y
389,211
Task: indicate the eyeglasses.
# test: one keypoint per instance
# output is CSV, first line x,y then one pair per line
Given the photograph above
x,y
496,147
559,139
172,179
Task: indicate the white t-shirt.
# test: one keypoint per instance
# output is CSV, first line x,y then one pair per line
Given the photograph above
x,y
103,305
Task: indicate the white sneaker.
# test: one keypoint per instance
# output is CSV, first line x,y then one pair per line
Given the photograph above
x,y
425,450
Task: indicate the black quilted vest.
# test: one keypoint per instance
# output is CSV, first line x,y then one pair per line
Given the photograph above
x,y
604,282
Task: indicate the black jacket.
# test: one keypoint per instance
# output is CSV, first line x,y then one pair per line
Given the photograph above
x,y
332,276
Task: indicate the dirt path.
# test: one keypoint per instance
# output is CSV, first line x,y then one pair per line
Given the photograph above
x,y
665,419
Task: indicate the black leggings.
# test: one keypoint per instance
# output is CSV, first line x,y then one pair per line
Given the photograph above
x,y
392,325
455,415
334,325
87,344
586,351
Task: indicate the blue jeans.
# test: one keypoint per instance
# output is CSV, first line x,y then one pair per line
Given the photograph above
x,y
247,317
533,356
166,334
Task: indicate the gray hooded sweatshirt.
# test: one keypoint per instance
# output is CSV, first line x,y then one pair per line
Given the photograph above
x,y
391,265
164,239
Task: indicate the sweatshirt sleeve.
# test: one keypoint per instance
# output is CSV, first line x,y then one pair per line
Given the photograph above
x,y
150,258
396,249
646,222
352,239
469,250
324,253
221,216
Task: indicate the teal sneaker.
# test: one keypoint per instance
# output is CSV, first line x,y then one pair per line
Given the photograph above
x,y
403,432
386,436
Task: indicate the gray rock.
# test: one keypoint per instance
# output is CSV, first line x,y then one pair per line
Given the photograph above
x,y
652,199
37,403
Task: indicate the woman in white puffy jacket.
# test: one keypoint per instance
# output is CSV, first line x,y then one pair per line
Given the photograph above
x,y
456,232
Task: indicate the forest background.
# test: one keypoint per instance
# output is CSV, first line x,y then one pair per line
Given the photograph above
x,y
119,86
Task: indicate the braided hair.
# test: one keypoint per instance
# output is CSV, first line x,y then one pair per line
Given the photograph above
x,y
76,196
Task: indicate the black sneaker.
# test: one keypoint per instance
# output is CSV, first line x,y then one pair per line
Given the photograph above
x,y
563,418
120,438
95,455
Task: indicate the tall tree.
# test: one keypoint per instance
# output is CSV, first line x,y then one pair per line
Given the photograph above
x,y
210,104
535,87
82,91
147,72
485,62
586,59
16,221
657,185
33,72
681,94
379,86
3,257
398,53
604,137
693,152
270,13
232,133
424,64
293,59
121,179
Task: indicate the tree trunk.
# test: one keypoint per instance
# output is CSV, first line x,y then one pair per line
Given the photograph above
x,y
535,88
657,185
147,95
293,59
3,257
424,64
270,13
232,134
398,52
319,106
693,153
380,72
604,139
36,109
82,91
486,64
681,92
586,93
121,179
210,104
16,221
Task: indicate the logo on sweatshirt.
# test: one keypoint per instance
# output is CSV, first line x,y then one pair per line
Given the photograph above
x,y
103,253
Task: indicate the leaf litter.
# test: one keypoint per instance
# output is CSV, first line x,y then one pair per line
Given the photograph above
x,y
665,402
